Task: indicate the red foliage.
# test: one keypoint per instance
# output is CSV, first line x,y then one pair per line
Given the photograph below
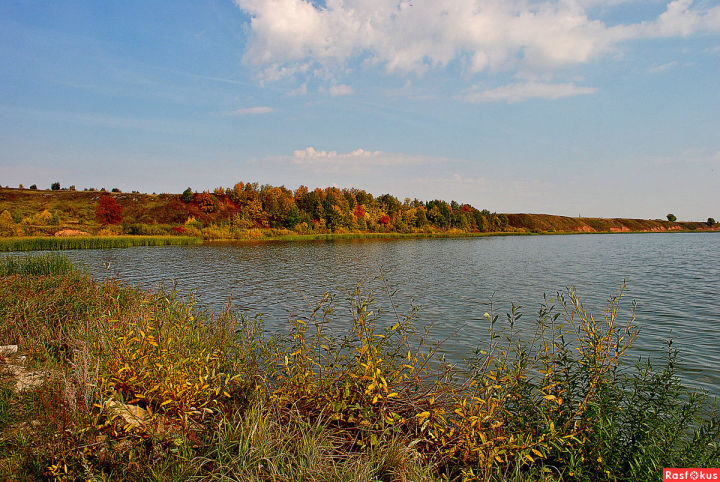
x,y
466,208
385,220
108,211
359,211
205,202
179,229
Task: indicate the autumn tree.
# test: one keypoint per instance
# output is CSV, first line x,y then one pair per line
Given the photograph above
x,y
671,217
359,211
108,211
205,202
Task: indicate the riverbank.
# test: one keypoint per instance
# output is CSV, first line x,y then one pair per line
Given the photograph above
x,y
48,243
118,383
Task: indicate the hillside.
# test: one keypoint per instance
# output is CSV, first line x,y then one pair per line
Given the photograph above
x,y
252,211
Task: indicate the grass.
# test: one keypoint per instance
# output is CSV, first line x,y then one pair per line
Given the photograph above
x,y
49,264
39,243
225,400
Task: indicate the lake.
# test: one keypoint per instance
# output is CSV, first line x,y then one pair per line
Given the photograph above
x,y
674,278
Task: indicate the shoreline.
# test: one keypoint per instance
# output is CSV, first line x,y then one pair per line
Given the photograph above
x,y
49,243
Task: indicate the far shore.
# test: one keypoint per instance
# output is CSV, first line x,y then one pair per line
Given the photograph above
x,y
52,243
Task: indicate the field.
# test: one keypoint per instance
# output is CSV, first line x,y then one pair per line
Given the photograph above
x,y
111,382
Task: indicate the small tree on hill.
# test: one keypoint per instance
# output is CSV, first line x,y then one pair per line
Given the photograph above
x,y
108,211
671,217
187,196
711,222
55,186
33,186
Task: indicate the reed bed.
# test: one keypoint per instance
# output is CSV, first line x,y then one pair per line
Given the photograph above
x,y
49,264
91,242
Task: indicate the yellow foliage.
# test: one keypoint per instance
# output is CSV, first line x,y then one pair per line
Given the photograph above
x,y
8,227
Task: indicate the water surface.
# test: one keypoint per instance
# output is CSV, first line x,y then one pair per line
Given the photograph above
x,y
673,277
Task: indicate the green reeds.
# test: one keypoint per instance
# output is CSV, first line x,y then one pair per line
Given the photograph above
x,y
48,264
92,242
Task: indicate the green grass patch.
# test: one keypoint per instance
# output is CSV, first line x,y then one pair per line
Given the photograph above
x,y
48,264
91,242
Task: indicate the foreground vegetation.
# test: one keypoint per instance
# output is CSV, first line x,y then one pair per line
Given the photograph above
x,y
254,212
135,385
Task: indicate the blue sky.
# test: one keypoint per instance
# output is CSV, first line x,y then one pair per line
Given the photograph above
x,y
599,108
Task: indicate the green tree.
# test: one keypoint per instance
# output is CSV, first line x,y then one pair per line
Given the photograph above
x,y
187,195
293,218
710,222
55,186
671,217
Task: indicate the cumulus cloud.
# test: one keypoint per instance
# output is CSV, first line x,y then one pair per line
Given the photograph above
x,y
251,111
341,89
356,161
296,37
521,91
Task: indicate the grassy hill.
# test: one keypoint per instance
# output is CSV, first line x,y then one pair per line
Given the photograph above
x,y
250,211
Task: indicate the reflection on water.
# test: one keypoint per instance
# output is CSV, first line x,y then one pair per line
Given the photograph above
x,y
675,279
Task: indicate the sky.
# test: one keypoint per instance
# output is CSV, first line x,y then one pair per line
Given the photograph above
x,y
573,107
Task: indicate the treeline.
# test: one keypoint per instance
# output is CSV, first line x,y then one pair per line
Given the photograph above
x,y
250,205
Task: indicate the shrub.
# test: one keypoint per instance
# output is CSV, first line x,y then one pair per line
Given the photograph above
x,y
55,186
8,226
710,222
116,190
671,217
108,211
33,186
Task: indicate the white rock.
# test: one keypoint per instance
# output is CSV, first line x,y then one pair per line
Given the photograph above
x,y
132,415
7,350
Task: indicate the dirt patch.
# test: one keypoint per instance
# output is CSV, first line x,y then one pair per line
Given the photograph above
x,y
70,232
12,366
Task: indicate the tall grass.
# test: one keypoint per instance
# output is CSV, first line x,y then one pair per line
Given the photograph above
x,y
48,264
225,400
91,242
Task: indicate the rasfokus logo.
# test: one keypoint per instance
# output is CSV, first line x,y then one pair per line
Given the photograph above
x,y
691,474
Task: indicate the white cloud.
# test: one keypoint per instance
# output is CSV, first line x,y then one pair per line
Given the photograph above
x,y
251,111
302,90
341,89
295,37
527,90
662,67
359,160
